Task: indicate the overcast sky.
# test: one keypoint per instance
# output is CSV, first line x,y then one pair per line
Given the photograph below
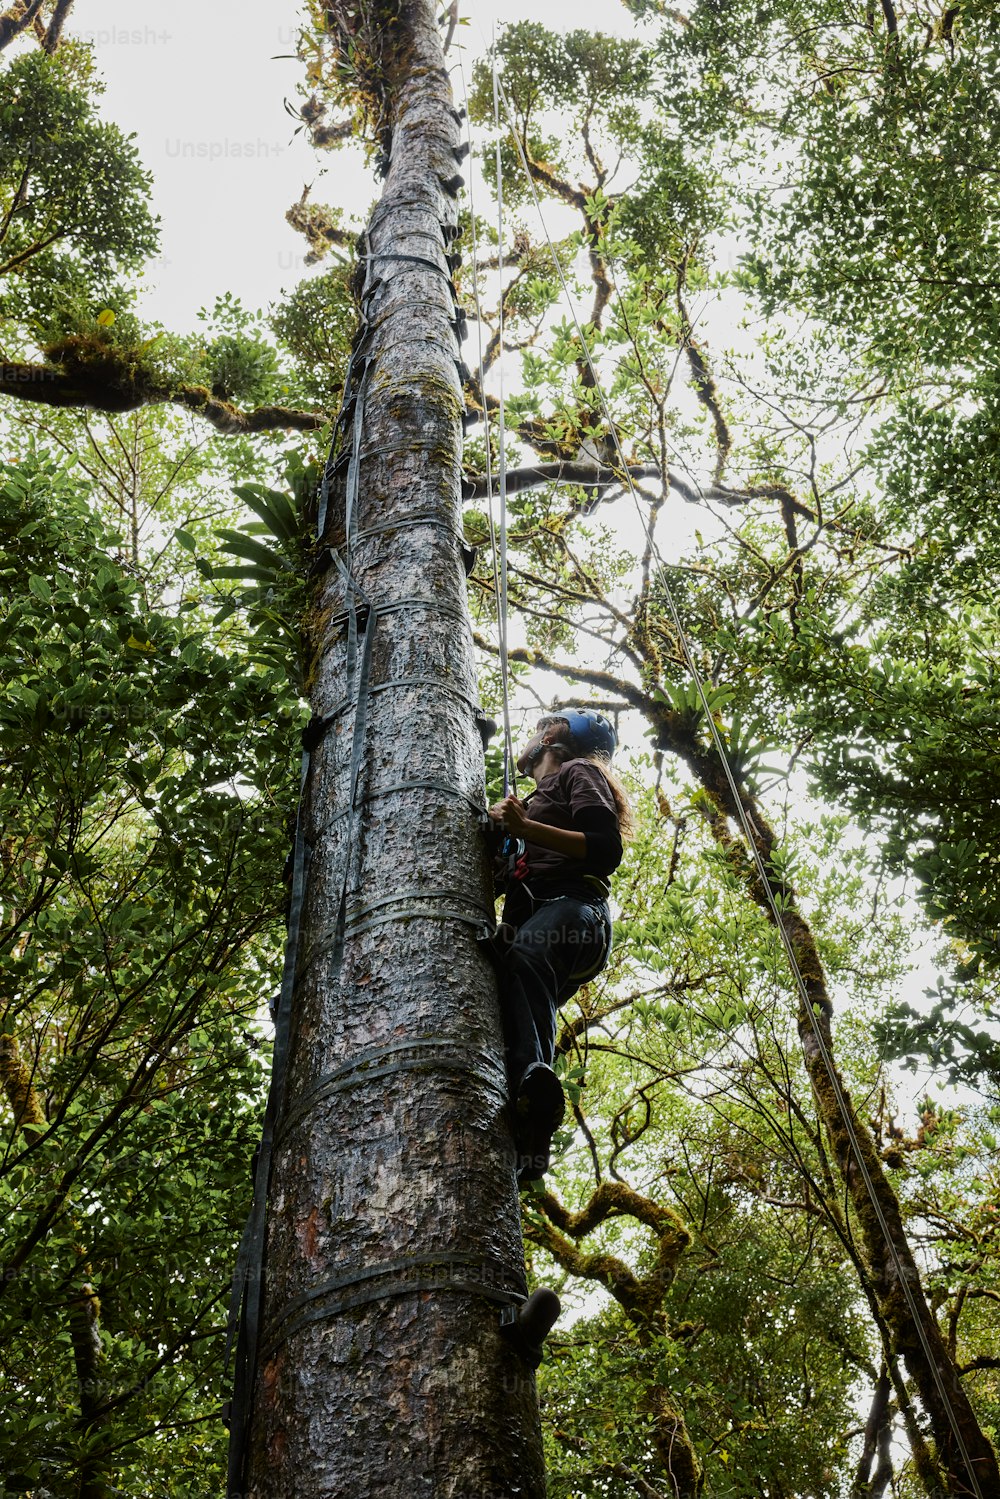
x,y
202,84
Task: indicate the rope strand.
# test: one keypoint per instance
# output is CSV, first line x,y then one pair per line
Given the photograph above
x,y
508,749
499,556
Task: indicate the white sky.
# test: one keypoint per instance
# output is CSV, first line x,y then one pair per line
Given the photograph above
x,y
202,85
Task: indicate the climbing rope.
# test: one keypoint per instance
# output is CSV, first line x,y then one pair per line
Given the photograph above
x,y
498,531
899,1270
502,446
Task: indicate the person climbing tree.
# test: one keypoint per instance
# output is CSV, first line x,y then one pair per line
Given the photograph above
x,y
559,848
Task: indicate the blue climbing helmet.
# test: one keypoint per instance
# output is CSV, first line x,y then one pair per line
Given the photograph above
x,y
589,731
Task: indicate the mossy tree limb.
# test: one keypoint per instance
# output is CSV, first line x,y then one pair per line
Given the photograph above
x,y
19,1087
555,1228
112,384
16,20
890,1266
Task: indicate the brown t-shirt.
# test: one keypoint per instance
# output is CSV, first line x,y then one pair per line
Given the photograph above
x,y
578,798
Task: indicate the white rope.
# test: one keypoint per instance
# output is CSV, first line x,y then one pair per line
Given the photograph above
x,y
501,604
748,834
508,748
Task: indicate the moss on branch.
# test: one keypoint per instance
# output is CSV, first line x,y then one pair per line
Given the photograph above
x,y
98,377
557,1229
319,225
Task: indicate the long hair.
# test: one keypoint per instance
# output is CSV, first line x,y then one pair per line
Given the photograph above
x,y
564,751
626,821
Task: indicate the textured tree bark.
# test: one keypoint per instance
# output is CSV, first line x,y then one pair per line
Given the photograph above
x,y
394,1232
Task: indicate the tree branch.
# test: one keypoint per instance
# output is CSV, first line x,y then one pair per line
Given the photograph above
x,y
16,202
316,223
23,255
452,18
557,186
16,20
705,389
112,387
616,688
567,471
232,421
19,1088
877,1443
641,1297
560,473
618,1470
54,34
571,1030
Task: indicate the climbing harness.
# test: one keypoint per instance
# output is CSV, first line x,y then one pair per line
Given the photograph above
x,y
899,1270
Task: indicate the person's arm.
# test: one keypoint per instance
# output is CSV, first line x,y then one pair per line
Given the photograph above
x,y
510,812
599,825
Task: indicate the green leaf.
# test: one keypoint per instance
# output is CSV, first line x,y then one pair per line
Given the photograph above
x,y
274,508
266,557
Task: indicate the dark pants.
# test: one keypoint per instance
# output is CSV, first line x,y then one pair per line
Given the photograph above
x,y
559,946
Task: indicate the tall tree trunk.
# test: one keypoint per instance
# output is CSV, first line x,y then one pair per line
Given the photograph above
x,y
894,1278
394,1233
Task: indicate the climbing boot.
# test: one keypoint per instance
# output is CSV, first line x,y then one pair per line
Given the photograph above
x,y
527,1326
539,1106
497,944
